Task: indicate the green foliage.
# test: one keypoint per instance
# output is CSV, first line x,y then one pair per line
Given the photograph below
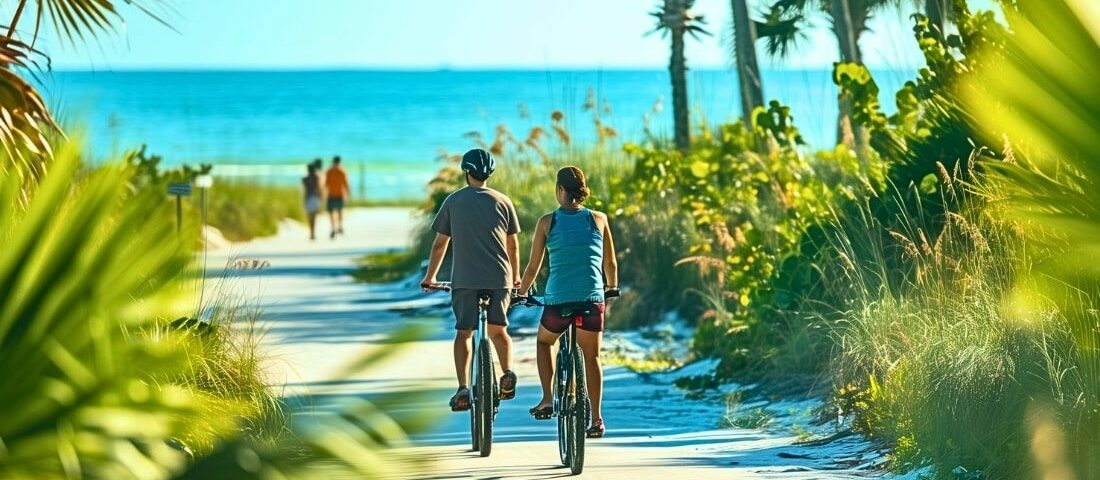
x,y
938,366
148,171
751,196
75,399
98,386
388,266
225,367
930,126
242,211
1040,94
239,210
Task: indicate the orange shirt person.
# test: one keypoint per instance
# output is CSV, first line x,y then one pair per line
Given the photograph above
x,y
336,184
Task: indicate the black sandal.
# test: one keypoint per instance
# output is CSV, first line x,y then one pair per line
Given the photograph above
x,y
460,402
508,383
596,430
543,413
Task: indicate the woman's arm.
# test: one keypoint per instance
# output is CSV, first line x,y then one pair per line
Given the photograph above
x,y
538,252
610,263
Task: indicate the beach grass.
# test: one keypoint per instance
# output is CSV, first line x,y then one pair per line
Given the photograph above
x,y
244,210
226,367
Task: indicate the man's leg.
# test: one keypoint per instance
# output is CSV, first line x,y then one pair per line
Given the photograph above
x,y
498,327
503,343
332,219
462,356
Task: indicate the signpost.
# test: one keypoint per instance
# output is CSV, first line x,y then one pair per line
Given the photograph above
x,y
180,190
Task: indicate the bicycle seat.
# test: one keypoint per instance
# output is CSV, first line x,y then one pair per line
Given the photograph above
x,y
484,297
577,308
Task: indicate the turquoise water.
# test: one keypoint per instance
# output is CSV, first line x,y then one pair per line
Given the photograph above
x,y
389,126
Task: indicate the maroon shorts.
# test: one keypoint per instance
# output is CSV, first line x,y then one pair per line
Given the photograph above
x,y
553,320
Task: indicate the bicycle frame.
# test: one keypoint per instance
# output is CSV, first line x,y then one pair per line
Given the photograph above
x,y
484,393
571,403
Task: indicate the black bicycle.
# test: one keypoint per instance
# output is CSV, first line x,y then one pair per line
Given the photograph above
x,y
572,406
484,392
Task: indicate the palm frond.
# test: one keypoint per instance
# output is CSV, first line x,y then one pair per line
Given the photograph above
x,y
781,32
1040,92
74,398
676,16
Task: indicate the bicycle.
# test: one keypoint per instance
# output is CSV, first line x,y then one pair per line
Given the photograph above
x,y
484,391
572,406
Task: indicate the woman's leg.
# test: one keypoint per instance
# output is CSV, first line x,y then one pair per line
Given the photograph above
x,y
593,371
312,225
545,359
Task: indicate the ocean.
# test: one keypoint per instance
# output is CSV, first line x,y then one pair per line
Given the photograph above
x,y
390,126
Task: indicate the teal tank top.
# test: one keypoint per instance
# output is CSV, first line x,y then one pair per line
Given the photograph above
x,y
575,248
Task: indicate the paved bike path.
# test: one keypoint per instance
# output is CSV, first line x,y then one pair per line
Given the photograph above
x,y
317,319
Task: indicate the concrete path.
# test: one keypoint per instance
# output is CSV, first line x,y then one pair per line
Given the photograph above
x,y
317,319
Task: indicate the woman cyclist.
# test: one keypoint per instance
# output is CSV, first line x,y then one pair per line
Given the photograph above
x,y
582,268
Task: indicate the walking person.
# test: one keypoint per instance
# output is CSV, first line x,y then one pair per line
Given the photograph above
x,y
481,223
582,269
336,183
311,183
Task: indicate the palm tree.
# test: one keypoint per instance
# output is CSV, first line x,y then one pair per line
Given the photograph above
x,y
674,19
744,51
25,121
786,22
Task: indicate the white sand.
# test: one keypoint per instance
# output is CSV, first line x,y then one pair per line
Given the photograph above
x,y
318,319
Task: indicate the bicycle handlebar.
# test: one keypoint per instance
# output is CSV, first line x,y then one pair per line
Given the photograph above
x,y
525,300
530,301
437,287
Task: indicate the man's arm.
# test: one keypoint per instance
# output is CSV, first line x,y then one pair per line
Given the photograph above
x,y
513,258
439,249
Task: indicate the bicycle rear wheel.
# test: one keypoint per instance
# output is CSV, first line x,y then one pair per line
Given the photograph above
x,y
578,416
563,400
485,406
475,439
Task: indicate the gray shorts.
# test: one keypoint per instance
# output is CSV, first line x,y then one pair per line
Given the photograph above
x,y
464,304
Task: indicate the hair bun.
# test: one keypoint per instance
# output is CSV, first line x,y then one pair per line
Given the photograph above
x,y
572,180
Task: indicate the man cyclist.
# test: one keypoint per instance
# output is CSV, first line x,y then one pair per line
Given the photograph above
x,y
481,223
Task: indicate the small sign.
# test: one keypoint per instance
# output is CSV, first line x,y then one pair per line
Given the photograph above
x,y
179,189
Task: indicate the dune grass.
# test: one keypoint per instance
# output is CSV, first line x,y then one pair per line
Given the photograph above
x,y
940,363
225,366
243,210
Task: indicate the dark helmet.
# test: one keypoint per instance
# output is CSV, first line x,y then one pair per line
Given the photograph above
x,y
479,163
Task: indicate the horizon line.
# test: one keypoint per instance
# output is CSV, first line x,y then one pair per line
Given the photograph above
x,y
431,69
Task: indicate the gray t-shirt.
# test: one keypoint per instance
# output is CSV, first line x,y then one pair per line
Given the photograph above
x,y
478,220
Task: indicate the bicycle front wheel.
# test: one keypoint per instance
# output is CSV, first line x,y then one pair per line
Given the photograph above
x,y
486,405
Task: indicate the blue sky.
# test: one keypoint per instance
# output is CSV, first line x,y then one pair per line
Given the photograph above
x,y
432,34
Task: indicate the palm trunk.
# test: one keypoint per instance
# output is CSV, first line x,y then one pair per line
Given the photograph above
x,y
748,73
846,36
677,69
936,11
